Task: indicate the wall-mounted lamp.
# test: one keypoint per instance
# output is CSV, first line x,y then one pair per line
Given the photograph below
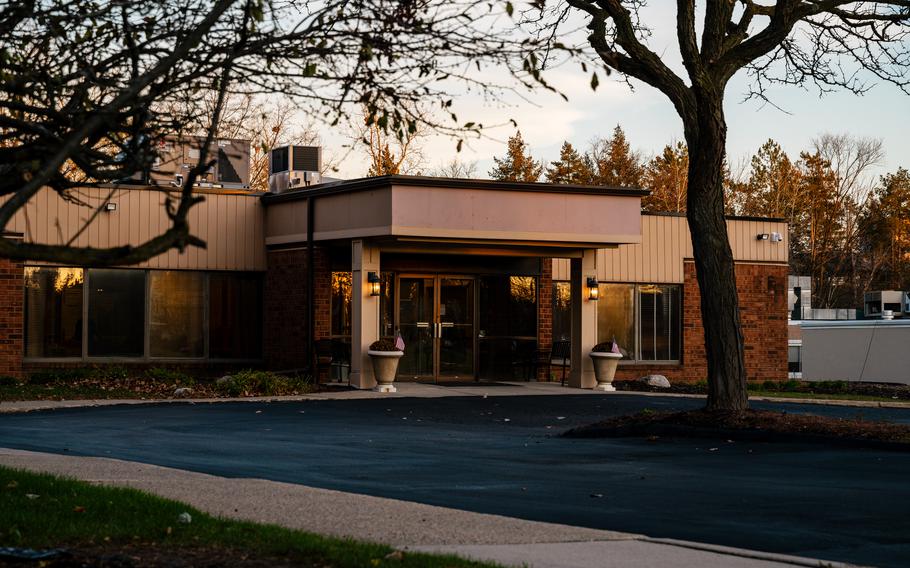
x,y
762,237
110,206
776,237
593,289
374,281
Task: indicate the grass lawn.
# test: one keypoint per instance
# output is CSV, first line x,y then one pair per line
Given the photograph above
x,y
44,511
819,396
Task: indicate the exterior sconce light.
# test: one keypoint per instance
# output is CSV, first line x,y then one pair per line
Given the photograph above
x,y
373,279
593,290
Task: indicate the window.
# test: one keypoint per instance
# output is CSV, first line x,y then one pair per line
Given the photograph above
x,y
176,314
235,316
387,304
53,312
562,311
507,346
341,303
116,313
616,317
659,317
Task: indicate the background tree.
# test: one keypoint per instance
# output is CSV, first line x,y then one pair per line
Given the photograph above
x,y
570,168
615,163
455,168
391,155
827,43
667,177
885,230
517,164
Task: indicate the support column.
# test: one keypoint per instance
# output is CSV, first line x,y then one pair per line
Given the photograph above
x,y
364,313
584,321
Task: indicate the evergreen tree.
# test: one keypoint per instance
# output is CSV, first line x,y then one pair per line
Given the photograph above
x,y
885,232
571,168
615,163
667,177
517,165
384,163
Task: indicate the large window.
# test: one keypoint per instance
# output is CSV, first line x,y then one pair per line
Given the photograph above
x,y
142,314
341,304
176,314
53,312
616,317
643,319
658,308
116,313
235,316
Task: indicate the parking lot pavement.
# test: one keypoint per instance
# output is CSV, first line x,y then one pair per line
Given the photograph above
x,y
500,455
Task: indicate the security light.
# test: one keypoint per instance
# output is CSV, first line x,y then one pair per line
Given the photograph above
x,y
110,206
373,279
762,237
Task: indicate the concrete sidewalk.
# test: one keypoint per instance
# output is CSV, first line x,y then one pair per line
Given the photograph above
x,y
420,390
403,524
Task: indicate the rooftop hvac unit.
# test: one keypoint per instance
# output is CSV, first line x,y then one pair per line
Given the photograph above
x,y
177,156
294,167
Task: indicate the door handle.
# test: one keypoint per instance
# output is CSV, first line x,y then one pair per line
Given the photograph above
x,y
447,324
423,324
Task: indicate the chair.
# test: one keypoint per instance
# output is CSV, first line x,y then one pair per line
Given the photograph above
x,y
323,359
560,356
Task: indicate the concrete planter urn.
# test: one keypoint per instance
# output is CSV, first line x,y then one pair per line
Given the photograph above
x,y
605,363
384,357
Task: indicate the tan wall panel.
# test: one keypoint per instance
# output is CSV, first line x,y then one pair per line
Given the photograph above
x,y
230,223
666,242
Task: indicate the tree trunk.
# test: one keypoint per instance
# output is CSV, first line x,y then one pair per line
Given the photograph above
x,y
706,135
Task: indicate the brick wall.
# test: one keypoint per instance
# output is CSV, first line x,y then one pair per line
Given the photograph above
x,y
285,313
11,317
545,313
762,290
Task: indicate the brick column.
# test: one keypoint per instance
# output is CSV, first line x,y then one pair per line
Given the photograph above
x,y
12,296
544,314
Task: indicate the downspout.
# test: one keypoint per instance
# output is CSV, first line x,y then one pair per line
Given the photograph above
x,y
311,289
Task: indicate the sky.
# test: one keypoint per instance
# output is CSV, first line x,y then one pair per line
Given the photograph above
x,y
650,122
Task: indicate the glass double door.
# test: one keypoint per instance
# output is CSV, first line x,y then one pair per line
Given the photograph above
x,y
436,319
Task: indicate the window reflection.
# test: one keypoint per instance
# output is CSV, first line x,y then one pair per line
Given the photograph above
x,y
176,312
53,312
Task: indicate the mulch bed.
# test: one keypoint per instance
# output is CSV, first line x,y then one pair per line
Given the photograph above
x,y
894,392
750,425
134,556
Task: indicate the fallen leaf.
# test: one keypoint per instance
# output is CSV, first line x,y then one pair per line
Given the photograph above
x,y
78,509
31,496
12,484
395,555
597,495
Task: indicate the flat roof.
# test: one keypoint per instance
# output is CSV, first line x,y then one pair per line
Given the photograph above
x,y
368,183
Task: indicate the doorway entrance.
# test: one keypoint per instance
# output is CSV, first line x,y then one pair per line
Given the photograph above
x,y
436,317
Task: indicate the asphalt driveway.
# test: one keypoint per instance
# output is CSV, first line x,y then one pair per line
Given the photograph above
x,y
500,455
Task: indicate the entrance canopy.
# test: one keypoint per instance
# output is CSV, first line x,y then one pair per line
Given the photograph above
x,y
418,218
407,212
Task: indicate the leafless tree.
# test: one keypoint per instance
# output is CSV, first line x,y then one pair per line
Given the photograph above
x,y
90,88
826,43
456,168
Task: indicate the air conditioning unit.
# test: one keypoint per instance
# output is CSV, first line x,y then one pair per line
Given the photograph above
x,y
294,167
178,155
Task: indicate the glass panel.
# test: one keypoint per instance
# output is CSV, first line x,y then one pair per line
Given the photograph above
x,y
616,316
387,305
508,306
416,320
562,311
659,315
456,314
235,316
53,312
647,302
341,303
116,313
176,312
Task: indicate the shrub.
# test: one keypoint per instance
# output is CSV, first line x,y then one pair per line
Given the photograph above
x,y
52,376
7,381
170,376
383,345
110,373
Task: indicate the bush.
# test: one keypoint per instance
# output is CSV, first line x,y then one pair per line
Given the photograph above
x,y
7,381
52,376
383,345
110,373
170,376
603,347
264,383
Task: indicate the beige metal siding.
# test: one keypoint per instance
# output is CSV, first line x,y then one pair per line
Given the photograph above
x,y
230,223
665,243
